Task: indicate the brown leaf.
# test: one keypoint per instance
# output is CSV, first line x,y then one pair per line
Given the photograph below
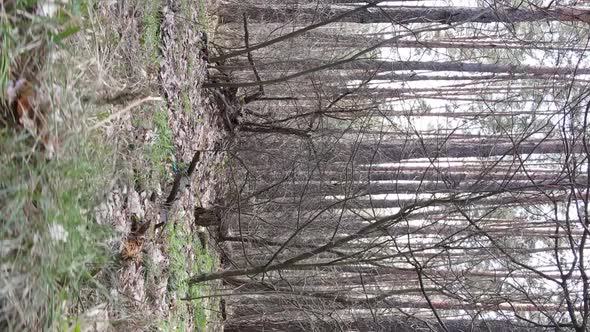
x,y
132,248
28,110
135,240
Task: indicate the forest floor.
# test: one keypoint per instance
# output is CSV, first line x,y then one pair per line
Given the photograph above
x,y
79,244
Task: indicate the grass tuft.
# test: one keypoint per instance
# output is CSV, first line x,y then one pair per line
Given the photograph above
x,y
51,246
187,257
162,148
50,241
151,38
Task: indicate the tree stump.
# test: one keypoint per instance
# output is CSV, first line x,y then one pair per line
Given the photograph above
x,y
206,217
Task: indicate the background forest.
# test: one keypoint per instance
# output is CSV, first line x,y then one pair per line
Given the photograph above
x,y
401,166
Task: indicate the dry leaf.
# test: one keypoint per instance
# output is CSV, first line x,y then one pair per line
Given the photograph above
x,y
132,248
30,111
133,245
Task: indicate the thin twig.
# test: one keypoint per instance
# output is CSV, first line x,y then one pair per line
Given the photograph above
x,y
124,110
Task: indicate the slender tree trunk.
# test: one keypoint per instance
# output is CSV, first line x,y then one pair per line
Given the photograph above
x,y
379,67
400,14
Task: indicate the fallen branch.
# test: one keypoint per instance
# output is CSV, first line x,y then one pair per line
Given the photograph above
x,y
176,185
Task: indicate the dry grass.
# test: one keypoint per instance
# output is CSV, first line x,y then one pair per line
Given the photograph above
x,y
97,64
51,246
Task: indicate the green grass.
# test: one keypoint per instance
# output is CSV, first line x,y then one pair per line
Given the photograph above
x,y
53,252
186,102
161,151
187,107
162,148
203,19
180,269
6,39
51,245
47,219
151,38
153,162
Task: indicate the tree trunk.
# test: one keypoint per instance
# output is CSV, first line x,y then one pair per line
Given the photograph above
x,y
379,67
399,14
